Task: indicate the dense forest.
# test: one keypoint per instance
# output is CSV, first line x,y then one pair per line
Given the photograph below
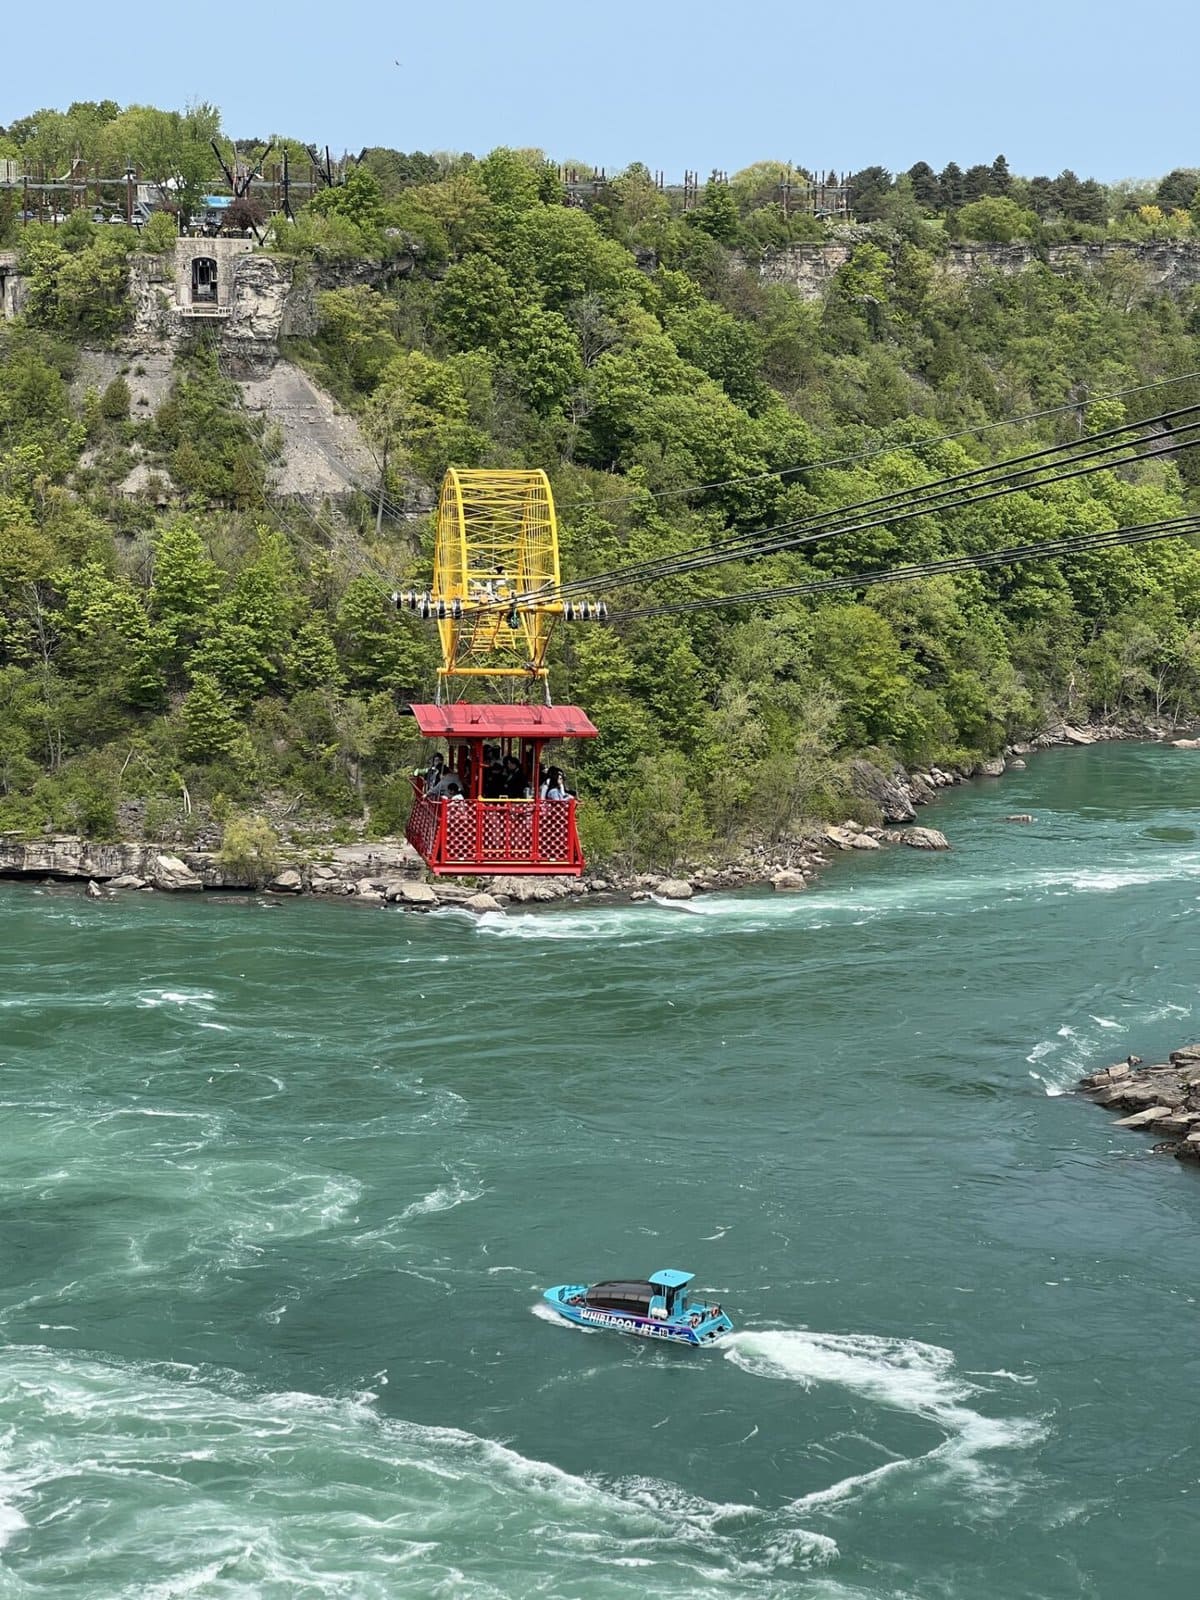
x,y
212,651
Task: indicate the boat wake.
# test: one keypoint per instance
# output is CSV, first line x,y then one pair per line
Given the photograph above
x,y
545,1313
905,1375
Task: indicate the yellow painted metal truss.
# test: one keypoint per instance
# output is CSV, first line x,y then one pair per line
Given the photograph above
x,y
497,544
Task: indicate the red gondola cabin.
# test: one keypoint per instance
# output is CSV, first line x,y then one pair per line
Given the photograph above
x,y
470,833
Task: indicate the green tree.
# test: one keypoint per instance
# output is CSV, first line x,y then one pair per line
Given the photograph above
x,y
717,213
211,730
995,219
249,849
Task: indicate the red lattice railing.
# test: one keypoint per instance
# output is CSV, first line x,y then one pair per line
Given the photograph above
x,y
466,836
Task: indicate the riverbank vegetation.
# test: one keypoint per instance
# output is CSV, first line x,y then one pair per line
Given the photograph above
x,y
206,648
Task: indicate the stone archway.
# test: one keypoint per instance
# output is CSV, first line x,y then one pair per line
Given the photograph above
x,y
204,280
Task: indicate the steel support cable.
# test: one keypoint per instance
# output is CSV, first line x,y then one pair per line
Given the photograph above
x,y
959,491
356,559
742,546
397,511
869,455
1012,555
766,541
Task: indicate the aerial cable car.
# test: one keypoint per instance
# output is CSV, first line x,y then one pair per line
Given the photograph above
x,y
495,598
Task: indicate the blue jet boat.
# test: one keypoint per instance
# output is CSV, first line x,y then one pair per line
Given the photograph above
x,y
656,1307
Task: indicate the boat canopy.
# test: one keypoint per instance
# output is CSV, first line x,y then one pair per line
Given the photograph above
x,y
622,1295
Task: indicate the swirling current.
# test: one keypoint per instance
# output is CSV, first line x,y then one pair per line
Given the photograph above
x,y
281,1184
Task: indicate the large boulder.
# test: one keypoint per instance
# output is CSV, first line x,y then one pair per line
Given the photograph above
x,y
481,903
452,894
788,881
1185,744
675,889
1077,735
172,875
288,881
920,838
1140,1118
536,889
421,896
993,768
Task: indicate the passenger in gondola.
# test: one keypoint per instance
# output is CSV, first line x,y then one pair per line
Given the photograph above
x,y
555,786
514,779
434,772
448,784
493,779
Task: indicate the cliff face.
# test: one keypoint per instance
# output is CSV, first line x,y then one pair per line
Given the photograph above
x,y
1166,266
254,300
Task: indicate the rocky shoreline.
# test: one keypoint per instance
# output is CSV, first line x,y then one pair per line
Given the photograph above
x,y
1164,1100
389,871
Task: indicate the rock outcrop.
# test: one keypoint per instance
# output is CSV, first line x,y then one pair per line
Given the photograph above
x,y
1164,266
890,791
1164,1099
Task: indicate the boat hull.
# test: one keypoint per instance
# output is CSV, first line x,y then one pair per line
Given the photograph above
x,y
695,1330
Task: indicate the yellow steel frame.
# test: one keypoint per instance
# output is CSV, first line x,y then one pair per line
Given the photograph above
x,y
496,552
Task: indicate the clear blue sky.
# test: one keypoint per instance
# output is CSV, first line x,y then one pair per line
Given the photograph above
x,y
1108,89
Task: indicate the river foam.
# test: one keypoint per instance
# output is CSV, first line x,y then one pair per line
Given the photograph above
x,y
294,1493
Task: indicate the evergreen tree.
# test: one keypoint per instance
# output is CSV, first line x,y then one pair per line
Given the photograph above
x,y
950,182
869,190
977,182
927,191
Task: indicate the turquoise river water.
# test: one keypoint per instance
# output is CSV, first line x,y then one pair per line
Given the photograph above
x,y
280,1186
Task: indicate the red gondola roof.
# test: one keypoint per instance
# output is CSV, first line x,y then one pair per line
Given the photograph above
x,y
463,721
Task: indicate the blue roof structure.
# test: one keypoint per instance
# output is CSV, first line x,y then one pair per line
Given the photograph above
x,y
217,202
669,1278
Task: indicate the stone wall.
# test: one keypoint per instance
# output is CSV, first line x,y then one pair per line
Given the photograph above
x,y
12,286
1165,266
261,298
224,252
